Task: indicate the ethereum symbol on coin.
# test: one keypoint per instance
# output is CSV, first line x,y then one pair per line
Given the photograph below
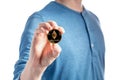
x,y
54,36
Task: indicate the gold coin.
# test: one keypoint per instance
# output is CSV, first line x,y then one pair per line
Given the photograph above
x,y
54,36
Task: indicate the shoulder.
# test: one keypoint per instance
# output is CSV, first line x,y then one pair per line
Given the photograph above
x,y
93,15
36,14
40,14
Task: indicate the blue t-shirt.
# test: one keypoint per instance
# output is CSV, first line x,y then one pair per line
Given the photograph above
x,y
83,49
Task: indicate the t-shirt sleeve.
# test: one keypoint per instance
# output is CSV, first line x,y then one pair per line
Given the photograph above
x,y
24,49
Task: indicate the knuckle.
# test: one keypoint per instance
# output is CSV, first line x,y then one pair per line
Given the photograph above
x,y
52,23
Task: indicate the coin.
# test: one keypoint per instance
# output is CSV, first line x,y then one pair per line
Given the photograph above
x,y
54,36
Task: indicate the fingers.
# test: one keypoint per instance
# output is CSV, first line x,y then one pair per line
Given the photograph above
x,y
55,26
47,26
61,29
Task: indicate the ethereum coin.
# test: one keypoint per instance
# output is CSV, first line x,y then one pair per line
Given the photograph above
x,y
54,36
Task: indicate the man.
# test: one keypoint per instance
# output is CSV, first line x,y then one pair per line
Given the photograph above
x,y
78,56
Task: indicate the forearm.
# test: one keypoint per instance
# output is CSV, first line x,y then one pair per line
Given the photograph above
x,y
31,72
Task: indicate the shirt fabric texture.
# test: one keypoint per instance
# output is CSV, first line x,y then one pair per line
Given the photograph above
x,y
83,49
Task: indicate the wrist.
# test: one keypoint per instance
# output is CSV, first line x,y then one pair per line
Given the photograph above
x,y
32,71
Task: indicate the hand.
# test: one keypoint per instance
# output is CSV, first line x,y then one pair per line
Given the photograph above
x,y
43,53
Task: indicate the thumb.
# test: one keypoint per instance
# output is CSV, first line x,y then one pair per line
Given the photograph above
x,y
51,55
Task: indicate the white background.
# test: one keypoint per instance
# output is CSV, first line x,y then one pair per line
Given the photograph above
x,y
13,16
